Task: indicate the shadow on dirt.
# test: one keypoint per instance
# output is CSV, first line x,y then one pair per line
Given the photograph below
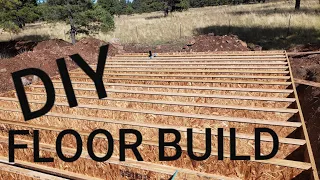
x,y
19,45
268,38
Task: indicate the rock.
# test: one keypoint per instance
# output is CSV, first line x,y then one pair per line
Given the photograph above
x,y
254,47
191,42
25,81
210,34
244,44
158,47
185,47
3,70
258,48
115,41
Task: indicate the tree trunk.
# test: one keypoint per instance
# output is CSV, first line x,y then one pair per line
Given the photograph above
x,y
297,4
72,26
73,34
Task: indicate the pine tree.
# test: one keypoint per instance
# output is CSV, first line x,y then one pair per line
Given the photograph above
x,y
82,15
15,14
112,6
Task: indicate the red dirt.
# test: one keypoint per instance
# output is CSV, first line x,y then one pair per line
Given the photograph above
x,y
44,55
202,43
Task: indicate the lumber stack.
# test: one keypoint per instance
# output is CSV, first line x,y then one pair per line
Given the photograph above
x,y
242,90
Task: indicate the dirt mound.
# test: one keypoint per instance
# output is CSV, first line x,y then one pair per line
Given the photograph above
x,y
44,56
202,43
216,43
50,44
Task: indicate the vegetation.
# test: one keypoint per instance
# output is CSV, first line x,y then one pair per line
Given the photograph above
x,y
272,25
15,14
83,16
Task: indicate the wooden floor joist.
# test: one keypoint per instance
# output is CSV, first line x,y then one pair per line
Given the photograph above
x,y
242,90
195,59
198,67
200,71
194,80
181,115
196,63
184,94
210,56
22,173
251,108
78,74
224,53
190,87
163,170
288,144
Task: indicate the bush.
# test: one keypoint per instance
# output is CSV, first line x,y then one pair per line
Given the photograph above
x,y
10,27
184,4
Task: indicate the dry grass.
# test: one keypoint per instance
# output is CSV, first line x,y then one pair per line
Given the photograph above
x,y
268,20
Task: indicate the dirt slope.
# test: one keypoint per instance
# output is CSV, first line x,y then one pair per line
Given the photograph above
x,y
44,55
202,43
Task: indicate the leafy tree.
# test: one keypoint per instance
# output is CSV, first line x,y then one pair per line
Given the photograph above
x,y
178,5
15,14
112,6
122,7
183,5
129,9
82,15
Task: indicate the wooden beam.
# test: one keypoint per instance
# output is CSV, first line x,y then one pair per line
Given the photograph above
x,y
129,163
184,94
247,137
229,53
207,56
201,67
304,127
193,87
193,59
249,108
194,80
11,168
197,71
197,63
308,83
40,171
292,141
147,125
162,168
175,114
76,74
199,81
